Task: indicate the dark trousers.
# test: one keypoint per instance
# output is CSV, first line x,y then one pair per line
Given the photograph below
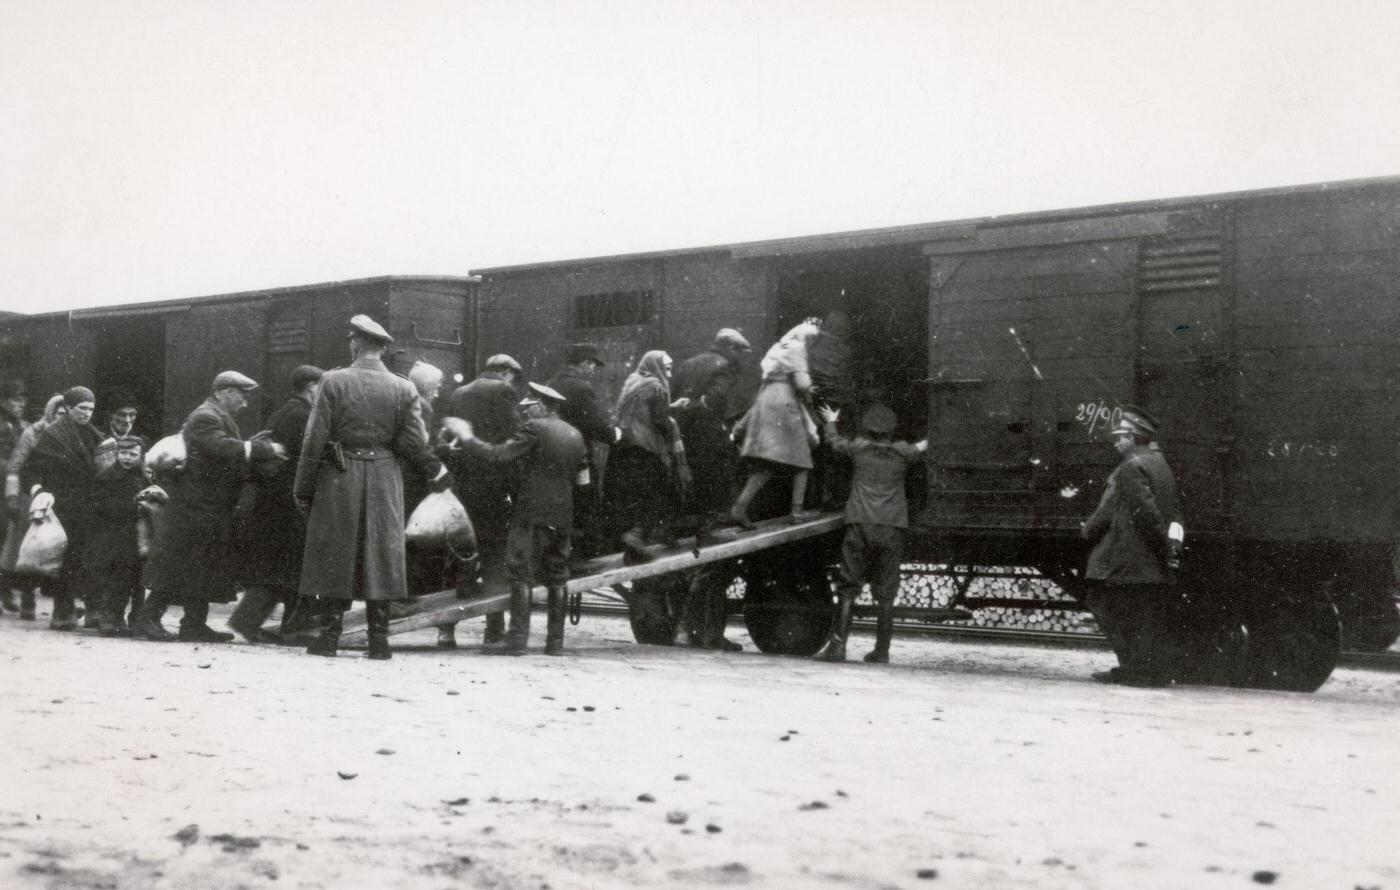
x,y
870,553
1140,622
538,554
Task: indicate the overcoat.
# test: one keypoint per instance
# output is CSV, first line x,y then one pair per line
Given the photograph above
x,y
1129,527
355,520
778,428
485,486
550,452
194,553
272,535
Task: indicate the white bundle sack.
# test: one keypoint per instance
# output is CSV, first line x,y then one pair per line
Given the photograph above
x,y
167,455
41,551
441,522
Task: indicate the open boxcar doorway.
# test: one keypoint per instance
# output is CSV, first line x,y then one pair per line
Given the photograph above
x,y
130,357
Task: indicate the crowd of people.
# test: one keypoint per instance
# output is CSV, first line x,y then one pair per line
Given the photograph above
x,y
310,512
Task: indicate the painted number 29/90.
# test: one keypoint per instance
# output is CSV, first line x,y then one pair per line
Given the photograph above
x,y
1098,415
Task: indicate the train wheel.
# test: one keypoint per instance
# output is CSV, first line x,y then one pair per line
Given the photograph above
x,y
787,607
1295,645
652,609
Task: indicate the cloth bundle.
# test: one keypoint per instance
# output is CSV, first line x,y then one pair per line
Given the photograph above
x,y
440,521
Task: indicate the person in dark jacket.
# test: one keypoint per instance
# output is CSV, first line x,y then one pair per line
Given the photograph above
x,y
876,518
112,565
12,426
193,561
1130,534
62,465
584,411
724,357
648,476
272,535
365,420
488,403
551,454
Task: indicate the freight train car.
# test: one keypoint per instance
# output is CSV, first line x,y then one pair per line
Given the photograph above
x,y
1257,326
166,353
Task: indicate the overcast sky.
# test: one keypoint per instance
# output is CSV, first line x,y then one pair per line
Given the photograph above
x,y
164,150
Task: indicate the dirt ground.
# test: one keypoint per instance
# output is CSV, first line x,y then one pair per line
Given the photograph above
x,y
133,765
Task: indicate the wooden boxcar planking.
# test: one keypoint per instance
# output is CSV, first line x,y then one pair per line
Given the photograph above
x,y
167,352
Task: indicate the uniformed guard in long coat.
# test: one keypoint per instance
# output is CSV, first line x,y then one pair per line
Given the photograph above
x,y
551,452
348,481
193,559
1129,532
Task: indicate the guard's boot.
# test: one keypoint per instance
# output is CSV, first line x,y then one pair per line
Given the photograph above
x,y
554,627
518,636
884,630
26,604
62,617
377,625
328,639
835,648
147,624
495,628
447,636
252,610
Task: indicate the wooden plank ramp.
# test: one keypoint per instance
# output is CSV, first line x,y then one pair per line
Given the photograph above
x,y
444,606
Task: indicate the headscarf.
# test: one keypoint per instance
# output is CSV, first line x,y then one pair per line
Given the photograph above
x,y
70,444
652,367
77,395
641,392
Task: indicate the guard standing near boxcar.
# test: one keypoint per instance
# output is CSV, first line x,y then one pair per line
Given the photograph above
x,y
1133,597
876,517
273,533
348,482
193,560
488,403
551,453
582,410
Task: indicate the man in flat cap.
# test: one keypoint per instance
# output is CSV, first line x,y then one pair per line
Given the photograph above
x,y
551,453
584,412
365,419
1129,564
192,563
272,535
488,403
724,357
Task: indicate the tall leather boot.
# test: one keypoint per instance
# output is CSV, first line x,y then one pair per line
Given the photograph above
x,y
377,625
518,636
330,617
147,624
835,648
884,630
495,628
26,604
554,627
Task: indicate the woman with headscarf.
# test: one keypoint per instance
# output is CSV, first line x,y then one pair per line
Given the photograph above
x,y
62,464
647,476
778,431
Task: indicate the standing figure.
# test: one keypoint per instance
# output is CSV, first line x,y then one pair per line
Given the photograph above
x,y
1129,531
714,464
12,426
582,410
112,565
272,537
488,404
62,465
724,357
876,516
194,562
551,453
778,431
829,363
647,472
17,506
348,482
121,423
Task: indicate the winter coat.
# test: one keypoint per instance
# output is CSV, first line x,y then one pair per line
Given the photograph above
x,y
485,486
550,453
272,535
355,519
194,554
1128,530
112,556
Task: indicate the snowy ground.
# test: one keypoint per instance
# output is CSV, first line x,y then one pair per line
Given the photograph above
x,y
136,765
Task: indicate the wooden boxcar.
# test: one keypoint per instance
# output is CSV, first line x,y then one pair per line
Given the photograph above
x,y
167,353
1257,326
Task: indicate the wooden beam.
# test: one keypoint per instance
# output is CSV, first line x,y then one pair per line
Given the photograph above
x,y
444,606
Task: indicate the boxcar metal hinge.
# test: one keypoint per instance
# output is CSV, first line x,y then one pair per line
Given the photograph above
x,y
455,341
